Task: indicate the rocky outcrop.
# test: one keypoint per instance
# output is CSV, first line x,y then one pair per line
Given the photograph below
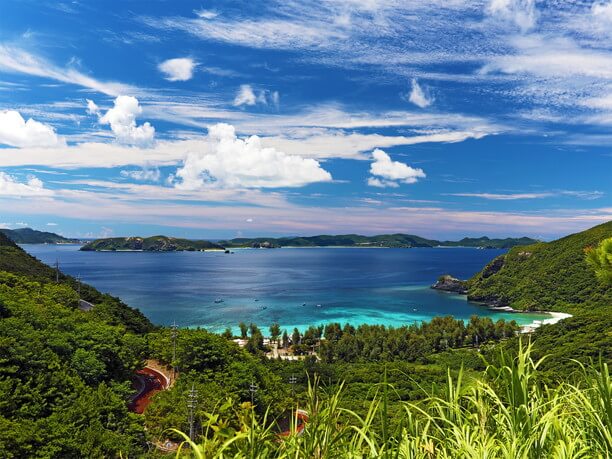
x,y
493,267
450,284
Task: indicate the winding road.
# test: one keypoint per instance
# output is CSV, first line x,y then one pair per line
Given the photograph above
x,y
149,382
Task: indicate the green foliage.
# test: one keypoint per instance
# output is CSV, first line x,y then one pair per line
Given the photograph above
x,y
63,375
600,259
507,413
545,276
15,260
377,343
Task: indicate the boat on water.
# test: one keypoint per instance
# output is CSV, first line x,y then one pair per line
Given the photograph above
x,y
219,300
318,305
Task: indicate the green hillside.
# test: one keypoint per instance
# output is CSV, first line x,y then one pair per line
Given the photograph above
x,y
384,240
15,260
545,276
30,236
150,244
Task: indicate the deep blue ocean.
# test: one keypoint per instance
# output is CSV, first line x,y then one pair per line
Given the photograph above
x,y
294,287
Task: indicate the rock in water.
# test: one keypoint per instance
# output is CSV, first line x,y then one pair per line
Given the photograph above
x,y
450,284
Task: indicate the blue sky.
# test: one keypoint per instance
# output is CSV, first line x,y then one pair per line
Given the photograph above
x,y
219,119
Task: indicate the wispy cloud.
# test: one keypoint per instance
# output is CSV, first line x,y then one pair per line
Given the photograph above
x,y
16,60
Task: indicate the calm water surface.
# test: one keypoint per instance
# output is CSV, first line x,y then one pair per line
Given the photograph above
x,y
294,287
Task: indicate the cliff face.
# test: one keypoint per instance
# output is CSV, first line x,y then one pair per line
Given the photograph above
x,y
450,284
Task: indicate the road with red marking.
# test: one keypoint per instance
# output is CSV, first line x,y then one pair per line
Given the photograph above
x,y
150,382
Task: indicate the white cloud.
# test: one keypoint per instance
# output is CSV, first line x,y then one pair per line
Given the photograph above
x,y
419,97
503,197
378,183
226,161
17,132
92,108
145,174
122,120
521,13
19,61
588,195
10,186
389,173
179,69
245,96
602,16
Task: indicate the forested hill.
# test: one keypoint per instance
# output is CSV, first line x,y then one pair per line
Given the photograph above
x,y
31,236
545,276
149,244
15,260
384,240
64,373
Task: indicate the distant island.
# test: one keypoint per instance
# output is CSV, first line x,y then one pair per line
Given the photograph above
x,y
149,244
170,244
31,236
384,240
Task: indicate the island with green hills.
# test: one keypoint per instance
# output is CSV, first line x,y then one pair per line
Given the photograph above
x,y
32,236
149,244
170,244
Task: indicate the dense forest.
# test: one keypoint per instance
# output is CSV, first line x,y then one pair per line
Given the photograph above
x,y
440,389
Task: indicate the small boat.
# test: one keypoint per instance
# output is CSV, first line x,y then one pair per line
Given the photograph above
x,y
303,304
264,307
256,299
318,305
219,300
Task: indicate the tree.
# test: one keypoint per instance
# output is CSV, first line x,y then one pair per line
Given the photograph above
x,y
227,334
244,330
600,260
295,337
274,331
285,339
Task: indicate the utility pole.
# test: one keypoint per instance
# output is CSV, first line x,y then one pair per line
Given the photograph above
x,y
192,401
174,335
57,271
252,389
293,381
78,278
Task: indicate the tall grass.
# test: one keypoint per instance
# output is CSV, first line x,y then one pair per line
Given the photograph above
x,y
508,413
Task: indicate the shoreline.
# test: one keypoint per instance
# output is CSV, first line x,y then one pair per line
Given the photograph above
x,y
528,328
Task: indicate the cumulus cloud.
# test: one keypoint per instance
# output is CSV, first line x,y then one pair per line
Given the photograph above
x,y
226,161
418,96
521,13
11,186
17,132
388,173
246,96
145,174
179,69
122,120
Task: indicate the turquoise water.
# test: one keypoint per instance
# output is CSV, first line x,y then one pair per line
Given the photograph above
x,y
294,287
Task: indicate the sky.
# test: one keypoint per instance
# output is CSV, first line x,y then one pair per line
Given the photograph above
x,y
444,118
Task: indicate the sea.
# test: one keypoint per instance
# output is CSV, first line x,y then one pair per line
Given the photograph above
x,y
294,287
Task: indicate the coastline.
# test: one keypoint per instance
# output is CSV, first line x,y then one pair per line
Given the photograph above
x,y
528,328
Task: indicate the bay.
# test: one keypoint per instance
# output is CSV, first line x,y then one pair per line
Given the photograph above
x,y
295,287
